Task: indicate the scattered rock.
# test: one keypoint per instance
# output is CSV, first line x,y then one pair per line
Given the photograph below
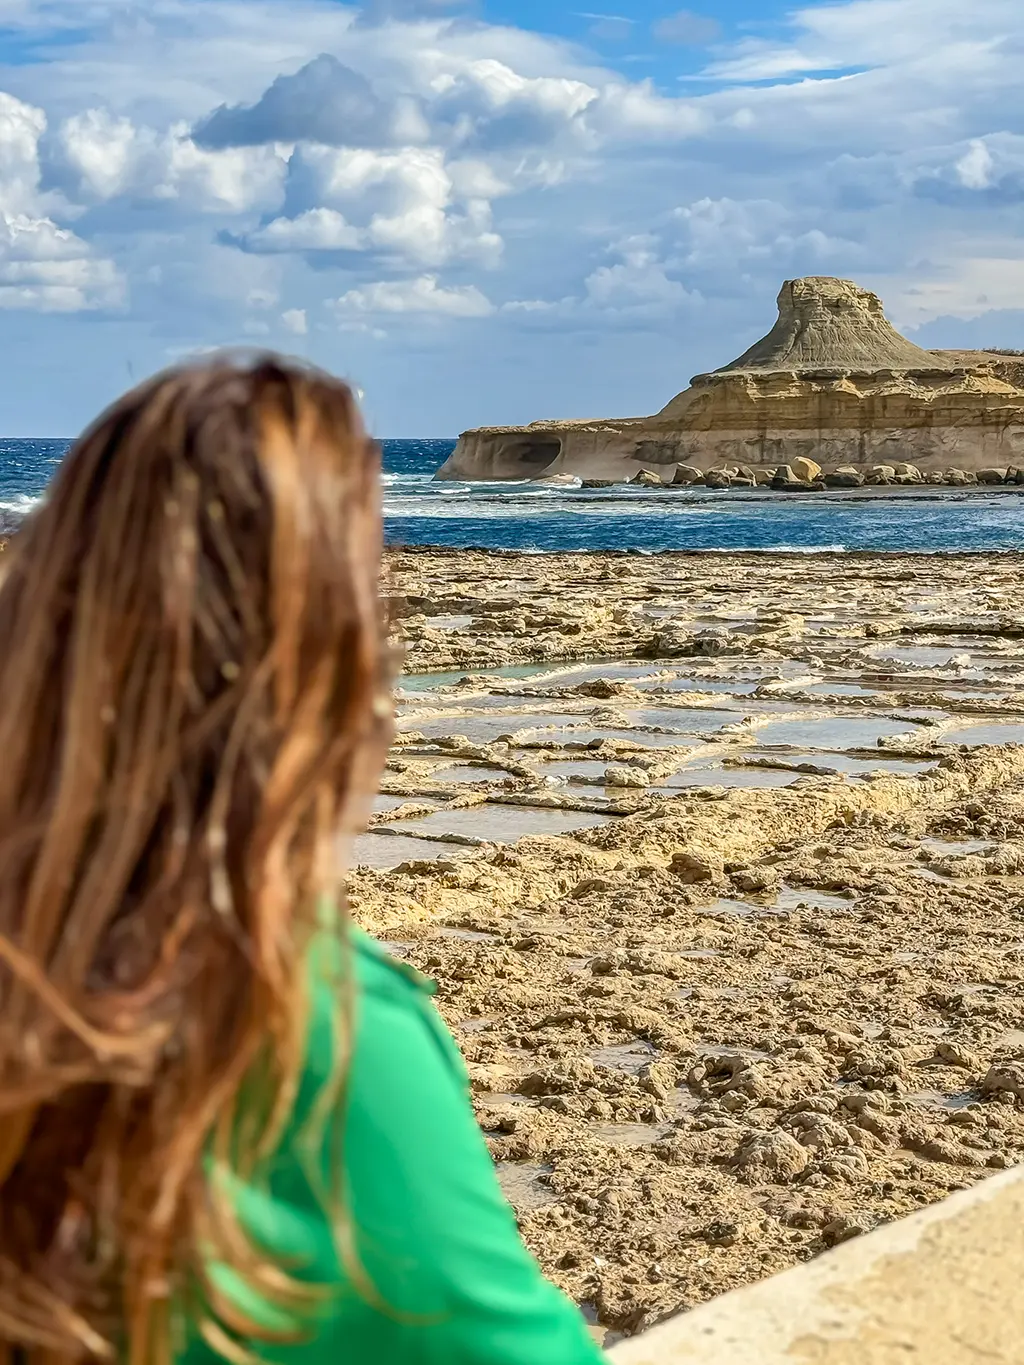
x,y
620,775
1005,1078
692,868
804,469
847,477
772,1157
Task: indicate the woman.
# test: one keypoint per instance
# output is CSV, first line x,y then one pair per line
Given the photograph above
x,y
230,1126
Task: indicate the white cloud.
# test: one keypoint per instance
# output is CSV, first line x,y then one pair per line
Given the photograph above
x,y
102,156
867,33
398,204
68,283
975,167
638,281
966,289
314,230
21,127
422,295
294,320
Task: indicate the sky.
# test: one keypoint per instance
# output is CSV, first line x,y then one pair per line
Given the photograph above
x,y
484,212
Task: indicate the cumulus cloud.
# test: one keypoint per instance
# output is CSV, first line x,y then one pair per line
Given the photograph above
x,y
44,266
402,205
325,101
294,320
424,295
97,156
637,281
48,269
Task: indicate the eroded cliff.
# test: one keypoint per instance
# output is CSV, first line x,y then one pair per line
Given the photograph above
x,y
832,382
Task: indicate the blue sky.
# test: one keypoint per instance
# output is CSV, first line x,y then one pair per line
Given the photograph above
x,y
491,211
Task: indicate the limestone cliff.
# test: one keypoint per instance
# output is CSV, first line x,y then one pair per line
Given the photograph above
x,y
833,381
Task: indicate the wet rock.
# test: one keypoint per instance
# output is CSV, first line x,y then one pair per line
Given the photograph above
x,y
646,478
718,478
686,475
991,476
881,474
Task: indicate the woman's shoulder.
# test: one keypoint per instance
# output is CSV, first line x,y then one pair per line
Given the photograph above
x,y
376,968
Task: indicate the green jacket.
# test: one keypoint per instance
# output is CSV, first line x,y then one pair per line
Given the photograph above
x,y
432,1229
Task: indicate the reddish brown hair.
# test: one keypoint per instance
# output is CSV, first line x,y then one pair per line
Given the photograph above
x,y
193,701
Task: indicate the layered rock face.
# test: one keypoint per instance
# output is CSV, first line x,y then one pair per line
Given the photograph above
x,y
832,382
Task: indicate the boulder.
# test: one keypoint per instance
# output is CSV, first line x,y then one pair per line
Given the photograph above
x,y
647,479
881,474
992,475
908,474
1015,475
806,470
934,477
846,477
718,478
686,474
598,483
785,481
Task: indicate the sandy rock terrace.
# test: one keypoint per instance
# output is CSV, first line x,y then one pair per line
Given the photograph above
x,y
718,863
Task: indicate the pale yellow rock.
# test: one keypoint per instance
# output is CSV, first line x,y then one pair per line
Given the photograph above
x,y
806,469
832,383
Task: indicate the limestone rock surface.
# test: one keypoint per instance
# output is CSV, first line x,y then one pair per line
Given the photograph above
x,y
832,385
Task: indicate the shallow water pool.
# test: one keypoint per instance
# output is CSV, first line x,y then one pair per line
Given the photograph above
x,y
505,824
385,851
1008,733
833,732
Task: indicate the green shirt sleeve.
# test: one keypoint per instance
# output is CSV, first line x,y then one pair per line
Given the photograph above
x,y
453,1282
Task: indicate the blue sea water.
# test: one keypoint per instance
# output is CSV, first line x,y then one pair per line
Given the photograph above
x,y
538,518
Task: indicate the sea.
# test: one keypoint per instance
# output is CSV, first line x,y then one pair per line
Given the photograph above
x,y
539,519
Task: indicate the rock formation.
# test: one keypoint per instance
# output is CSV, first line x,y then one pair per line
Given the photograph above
x,y
832,383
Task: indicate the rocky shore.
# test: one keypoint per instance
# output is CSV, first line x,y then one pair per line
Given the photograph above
x,y
718,862
833,385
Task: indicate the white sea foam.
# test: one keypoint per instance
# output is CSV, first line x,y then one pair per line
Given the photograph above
x,y
20,504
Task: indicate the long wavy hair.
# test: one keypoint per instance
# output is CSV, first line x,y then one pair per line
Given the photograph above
x,y
193,705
